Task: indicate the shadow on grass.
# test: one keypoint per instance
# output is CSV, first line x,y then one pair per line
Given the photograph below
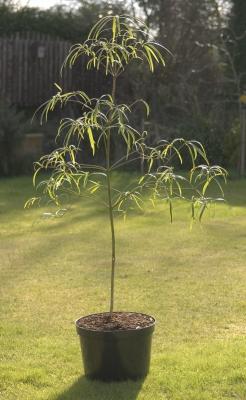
x,y
85,389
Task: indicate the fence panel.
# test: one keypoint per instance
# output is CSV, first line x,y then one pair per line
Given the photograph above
x,y
29,65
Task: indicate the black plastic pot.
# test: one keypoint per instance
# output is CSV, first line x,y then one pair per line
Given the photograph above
x,y
116,355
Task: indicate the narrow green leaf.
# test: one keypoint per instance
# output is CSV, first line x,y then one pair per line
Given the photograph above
x,y
141,179
158,53
153,53
149,58
35,175
114,28
58,87
152,202
94,189
178,154
91,139
30,202
170,210
137,201
219,185
204,206
86,176
192,210
150,164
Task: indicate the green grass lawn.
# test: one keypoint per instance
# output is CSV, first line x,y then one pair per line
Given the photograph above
x,y
193,282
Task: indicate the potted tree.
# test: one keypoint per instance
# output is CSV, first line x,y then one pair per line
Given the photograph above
x,y
116,345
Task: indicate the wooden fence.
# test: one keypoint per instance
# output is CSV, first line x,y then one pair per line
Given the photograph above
x,y
29,65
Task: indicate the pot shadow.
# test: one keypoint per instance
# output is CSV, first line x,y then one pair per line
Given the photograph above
x,y
85,389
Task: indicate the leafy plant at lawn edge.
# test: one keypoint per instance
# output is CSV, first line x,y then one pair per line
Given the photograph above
x,y
112,44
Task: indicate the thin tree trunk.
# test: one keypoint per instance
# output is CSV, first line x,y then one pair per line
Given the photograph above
x,y
110,207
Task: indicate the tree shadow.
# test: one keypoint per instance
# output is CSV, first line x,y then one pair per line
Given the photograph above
x,y
85,389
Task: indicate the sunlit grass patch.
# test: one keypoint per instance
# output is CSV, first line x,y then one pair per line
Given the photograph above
x,y
192,281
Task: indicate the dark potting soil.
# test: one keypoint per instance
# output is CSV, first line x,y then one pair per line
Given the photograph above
x,y
116,321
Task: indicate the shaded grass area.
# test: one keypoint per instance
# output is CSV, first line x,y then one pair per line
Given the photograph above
x,y
193,282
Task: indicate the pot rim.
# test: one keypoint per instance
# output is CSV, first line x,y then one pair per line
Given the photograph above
x,y
122,331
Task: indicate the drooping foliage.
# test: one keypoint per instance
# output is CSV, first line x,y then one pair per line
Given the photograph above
x,y
112,45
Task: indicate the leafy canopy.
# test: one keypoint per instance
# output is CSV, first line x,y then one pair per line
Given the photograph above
x,y
112,44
